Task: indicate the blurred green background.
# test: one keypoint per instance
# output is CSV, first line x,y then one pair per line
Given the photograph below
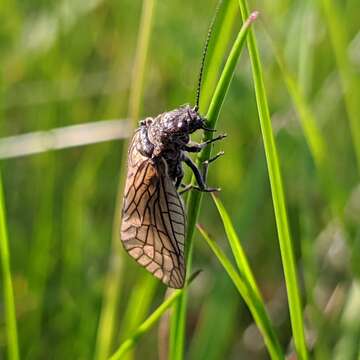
x,y
70,62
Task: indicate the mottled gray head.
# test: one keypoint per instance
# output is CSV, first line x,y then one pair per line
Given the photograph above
x,y
184,120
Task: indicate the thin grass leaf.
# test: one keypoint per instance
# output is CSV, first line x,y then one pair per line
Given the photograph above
x,y
278,195
245,285
194,200
348,77
113,279
10,312
150,321
236,248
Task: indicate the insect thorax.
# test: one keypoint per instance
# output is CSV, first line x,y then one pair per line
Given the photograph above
x,y
168,132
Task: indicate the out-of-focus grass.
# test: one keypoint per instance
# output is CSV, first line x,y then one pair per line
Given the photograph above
x,y
349,80
9,303
70,62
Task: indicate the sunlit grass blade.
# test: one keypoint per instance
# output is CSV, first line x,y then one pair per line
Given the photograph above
x,y
113,279
10,311
245,285
278,195
349,79
194,200
149,322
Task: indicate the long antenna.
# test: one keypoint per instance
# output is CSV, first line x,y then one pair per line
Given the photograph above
x,y
196,108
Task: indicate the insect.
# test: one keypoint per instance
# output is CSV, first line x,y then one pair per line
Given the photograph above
x,y
153,217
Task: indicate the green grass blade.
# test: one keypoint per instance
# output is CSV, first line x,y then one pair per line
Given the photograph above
x,y
348,77
10,312
245,285
149,322
194,200
278,195
112,285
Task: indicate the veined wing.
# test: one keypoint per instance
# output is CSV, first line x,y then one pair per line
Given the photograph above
x,y
153,219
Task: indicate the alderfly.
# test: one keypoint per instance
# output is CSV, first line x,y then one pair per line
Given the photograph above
x,y
153,216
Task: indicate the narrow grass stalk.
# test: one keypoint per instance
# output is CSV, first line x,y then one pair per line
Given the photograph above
x,y
149,322
113,279
246,287
278,196
194,200
10,312
349,79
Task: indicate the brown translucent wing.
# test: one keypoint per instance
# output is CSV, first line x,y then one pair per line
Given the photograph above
x,y
153,219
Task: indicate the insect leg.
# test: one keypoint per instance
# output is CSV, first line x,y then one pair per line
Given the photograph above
x,y
190,186
179,180
199,178
207,162
199,147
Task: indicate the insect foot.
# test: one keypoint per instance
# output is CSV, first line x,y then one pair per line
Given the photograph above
x,y
207,162
217,138
194,187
